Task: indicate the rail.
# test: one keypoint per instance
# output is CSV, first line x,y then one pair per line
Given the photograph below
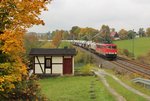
x,y
143,81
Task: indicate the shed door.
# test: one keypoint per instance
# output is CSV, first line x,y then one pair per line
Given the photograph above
x,y
67,66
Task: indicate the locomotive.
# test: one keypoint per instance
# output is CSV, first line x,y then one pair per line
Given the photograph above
x,y
106,50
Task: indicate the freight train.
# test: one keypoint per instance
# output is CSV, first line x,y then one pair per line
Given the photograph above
x,y
106,50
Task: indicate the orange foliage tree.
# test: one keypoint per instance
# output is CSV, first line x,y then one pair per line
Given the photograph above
x,y
15,17
56,40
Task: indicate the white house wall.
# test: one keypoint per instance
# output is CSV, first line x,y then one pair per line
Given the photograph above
x,y
57,59
48,71
38,68
57,68
41,59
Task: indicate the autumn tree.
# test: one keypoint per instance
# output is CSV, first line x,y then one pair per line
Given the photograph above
x,y
87,33
148,32
75,32
65,35
112,30
15,17
105,33
31,40
56,39
123,34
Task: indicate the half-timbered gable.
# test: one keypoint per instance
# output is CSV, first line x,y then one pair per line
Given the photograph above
x,y
53,61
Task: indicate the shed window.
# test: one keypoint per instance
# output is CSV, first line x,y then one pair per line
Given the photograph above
x,y
48,63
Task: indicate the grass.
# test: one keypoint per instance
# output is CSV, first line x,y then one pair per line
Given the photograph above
x,y
141,88
74,89
128,95
141,45
127,80
65,44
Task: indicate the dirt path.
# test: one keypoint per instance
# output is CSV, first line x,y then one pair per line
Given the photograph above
x,y
111,90
100,72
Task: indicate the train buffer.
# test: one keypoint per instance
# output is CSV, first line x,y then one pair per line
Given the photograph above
x,y
145,82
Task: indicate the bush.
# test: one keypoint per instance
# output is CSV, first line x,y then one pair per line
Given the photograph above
x,y
82,57
26,90
127,53
87,69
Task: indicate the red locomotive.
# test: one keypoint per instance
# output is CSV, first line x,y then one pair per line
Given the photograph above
x,y
107,50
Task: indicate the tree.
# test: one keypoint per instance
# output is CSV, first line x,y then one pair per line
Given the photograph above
x,y
148,32
65,35
105,34
131,34
112,30
57,39
74,32
123,34
141,32
31,40
15,17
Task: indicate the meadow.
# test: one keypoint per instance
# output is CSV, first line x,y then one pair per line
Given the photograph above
x,y
128,95
78,88
141,45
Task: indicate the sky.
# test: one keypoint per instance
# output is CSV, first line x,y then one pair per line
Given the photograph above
x,y
118,14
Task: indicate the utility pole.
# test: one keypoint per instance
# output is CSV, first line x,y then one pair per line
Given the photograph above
x,y
133,43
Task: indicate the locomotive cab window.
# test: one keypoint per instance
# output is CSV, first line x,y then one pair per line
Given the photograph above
x,y
109,47
114,47
98,46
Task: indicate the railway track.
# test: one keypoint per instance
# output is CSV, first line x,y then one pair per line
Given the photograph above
x,y
128,65
132,66
135,63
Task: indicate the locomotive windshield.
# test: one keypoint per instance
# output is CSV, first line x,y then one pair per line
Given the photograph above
x,y
98,46
112,47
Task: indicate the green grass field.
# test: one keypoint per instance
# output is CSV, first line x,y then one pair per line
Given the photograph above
x,y
74,89
141,45
128,95
127,79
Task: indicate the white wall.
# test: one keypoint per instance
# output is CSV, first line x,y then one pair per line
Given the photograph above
x,y
41,59
57,59
38,68
57,68
48,71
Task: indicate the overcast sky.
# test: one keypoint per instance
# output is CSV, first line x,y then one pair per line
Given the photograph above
x,y
118,14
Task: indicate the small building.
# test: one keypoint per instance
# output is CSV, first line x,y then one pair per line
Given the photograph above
x,y
114,35
53,61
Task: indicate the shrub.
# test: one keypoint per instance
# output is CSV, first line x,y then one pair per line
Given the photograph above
x,y
25,90
127,53
82,57
86,69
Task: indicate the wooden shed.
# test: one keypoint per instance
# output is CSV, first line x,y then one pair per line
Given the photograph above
x,y
53,61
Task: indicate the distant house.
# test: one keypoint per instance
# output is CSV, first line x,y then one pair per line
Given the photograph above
x,y
53,61
137,35
114,35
